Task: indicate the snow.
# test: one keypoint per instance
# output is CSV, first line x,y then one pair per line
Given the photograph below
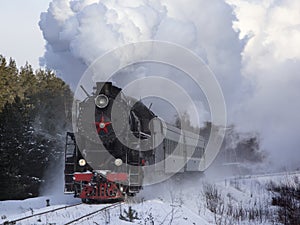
x,y
12,208
170,202
157,209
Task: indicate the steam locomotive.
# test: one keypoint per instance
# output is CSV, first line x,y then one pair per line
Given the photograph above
x,y
117,141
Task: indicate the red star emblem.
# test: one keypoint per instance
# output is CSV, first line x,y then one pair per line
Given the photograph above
x,y
102,125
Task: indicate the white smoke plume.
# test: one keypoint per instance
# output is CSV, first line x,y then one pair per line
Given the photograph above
x,y
251,46
77,32
271,60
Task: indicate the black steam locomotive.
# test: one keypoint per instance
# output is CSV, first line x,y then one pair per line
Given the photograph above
x,y
117,139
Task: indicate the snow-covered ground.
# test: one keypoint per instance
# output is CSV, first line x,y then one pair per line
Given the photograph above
x,y
172,202
147,211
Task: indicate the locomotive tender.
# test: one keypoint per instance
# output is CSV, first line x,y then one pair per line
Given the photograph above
x,y
116,141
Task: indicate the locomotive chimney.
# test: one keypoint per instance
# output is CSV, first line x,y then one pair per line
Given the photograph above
x,y
104,88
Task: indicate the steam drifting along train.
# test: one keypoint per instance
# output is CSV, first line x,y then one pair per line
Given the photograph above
x,y
118,143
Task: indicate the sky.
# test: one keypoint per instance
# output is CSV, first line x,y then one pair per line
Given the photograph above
x,y
21,37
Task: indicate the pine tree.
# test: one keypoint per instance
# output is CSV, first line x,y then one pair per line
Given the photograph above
x,y
35,109
8,81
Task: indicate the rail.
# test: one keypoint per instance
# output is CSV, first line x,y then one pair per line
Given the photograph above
x,y
87,216
38,214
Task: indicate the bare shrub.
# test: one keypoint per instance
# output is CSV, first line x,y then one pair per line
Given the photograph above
x,y
213,198
231,211
287,199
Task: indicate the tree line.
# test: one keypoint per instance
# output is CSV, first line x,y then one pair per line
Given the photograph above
x,y
35,111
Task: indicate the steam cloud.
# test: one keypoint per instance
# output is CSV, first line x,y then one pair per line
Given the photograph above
x,y
254,54
271,61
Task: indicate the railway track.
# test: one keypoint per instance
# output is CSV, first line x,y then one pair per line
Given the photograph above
x,y
257,176
40,214
262,175
89,215
37,217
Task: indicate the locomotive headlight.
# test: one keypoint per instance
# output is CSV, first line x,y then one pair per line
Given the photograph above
x,y
101,101
82,162
118,162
